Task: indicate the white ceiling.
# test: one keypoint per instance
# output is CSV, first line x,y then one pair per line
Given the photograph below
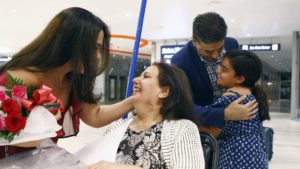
x,y
21,21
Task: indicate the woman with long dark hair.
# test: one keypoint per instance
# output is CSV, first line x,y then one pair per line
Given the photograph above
x,y
67,56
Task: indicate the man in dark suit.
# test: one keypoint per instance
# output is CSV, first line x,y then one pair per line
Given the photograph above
x,y
199,59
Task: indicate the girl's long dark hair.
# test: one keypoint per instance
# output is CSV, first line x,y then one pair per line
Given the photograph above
x,y
262,100
70,36
248,64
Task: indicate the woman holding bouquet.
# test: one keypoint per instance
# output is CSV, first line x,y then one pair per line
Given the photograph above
x,y
67,57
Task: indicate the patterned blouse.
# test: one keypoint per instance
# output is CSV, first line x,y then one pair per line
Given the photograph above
x,y
142,148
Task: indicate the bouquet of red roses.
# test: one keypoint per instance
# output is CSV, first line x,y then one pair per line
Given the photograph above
x,y
22,107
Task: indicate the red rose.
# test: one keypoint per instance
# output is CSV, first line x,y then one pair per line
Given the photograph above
x,y
2,95
15,122
10,106
19,92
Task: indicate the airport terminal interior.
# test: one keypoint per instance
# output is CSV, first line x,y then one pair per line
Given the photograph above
x,y
269,28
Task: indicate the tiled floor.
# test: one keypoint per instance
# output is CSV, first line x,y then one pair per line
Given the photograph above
x,y
286,144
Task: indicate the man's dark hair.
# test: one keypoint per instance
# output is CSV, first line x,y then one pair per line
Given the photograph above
x,y
209,28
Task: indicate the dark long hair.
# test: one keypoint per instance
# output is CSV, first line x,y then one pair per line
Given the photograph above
x,y
248,64
70,36
179,103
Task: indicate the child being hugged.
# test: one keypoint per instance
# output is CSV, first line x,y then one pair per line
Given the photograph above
x,y
241,142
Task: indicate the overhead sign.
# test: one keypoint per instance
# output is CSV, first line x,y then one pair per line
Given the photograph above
x,y
5,58
167,52
261,47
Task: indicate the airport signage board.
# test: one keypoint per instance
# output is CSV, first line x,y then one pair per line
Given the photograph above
x,y
167,51
261,47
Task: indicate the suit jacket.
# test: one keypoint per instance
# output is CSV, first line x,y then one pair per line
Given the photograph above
x,y
189,61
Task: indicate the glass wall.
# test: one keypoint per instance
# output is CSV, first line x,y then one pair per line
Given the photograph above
x,y
276,77
116,76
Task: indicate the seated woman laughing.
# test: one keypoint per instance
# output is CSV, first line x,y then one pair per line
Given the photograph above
x,y
162,132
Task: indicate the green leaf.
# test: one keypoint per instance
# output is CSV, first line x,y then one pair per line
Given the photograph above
x,y
30,90
4,134
24,112
7,135
10,136
11,81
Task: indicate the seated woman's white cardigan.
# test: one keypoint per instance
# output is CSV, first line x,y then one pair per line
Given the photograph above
x,y
180,143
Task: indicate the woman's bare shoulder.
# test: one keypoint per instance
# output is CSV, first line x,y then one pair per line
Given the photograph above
x,y
28,78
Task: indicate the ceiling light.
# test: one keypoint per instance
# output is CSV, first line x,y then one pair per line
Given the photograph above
x,y
158,27
214,2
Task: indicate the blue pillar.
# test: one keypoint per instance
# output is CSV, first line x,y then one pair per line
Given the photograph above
x,y
136,49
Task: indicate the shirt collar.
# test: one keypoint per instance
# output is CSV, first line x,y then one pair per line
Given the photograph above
x,y
219,59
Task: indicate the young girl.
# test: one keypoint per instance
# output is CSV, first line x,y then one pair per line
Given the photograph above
x,y
241,142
